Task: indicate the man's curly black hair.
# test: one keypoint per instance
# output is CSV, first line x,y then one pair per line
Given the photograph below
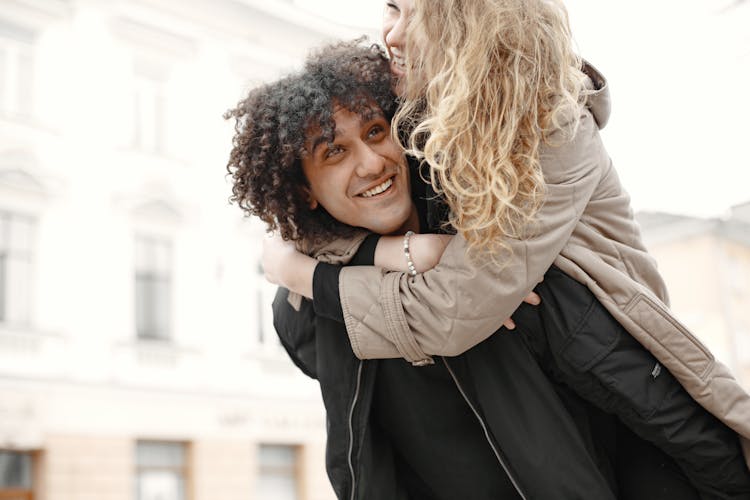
x,y
272,129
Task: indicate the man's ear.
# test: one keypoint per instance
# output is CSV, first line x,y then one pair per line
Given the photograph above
x,y
312,202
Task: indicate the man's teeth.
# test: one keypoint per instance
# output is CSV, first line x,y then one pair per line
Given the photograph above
x,y
378,189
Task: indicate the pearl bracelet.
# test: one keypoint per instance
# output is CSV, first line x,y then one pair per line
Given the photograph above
x,y
409,263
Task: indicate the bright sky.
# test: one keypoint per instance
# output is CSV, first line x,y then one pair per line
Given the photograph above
x,y
679,73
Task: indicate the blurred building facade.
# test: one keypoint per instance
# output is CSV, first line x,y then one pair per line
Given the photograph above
x,y
137,356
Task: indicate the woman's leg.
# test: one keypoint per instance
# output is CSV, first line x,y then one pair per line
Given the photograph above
x,y
590,352
638,469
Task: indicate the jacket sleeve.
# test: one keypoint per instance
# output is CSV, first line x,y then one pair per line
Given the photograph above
x,y
457,304
296,331
294,321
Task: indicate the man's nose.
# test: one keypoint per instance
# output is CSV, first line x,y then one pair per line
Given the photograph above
x,y
371,163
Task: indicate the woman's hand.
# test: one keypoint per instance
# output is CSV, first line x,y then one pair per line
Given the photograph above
x,y
533,299
283,265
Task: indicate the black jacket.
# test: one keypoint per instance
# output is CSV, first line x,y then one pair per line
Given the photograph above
x,y
527,420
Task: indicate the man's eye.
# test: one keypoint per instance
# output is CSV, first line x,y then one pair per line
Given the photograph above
x,y
375,131
332,151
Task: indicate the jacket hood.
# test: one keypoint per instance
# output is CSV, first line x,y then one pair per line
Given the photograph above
x,y
597,96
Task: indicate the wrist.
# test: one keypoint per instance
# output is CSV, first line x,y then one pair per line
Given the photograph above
x,y
410,268
426,250
389,253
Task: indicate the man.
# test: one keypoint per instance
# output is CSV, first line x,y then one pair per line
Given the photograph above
x,y
313,157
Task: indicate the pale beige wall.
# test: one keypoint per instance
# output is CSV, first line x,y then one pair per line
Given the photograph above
x,y
222,469
103,468
690,269
738,272
88,468
313,473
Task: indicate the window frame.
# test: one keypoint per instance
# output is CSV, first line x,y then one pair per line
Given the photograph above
x,y
17,75
17,257
24,493
151,275
295,468
185,470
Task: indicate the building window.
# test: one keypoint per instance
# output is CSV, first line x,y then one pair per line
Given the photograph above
x,y
150,76
16,475
16,70
153,287
16,252
277,472
148,114
162,470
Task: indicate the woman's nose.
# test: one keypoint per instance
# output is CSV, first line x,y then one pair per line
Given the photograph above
x,y
395,36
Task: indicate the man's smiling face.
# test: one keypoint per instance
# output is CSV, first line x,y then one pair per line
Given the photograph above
x,y
361,178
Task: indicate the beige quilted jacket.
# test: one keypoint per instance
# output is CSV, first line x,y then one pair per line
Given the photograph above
x,y
587,229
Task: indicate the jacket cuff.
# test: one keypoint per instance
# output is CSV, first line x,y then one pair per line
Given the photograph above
x,y
326,299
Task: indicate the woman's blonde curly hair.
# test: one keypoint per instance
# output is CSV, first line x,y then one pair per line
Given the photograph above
x,y
490,81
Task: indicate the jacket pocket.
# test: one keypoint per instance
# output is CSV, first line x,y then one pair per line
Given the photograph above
x,y
680,345
611,368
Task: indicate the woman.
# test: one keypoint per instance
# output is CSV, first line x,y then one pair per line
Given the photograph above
x,y
314,158
493,105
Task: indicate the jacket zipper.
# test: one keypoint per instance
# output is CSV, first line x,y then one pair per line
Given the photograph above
x,y
484,428
350,459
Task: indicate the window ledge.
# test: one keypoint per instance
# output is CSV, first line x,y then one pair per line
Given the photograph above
x,y
271,359
157,353
30,122
154,157
25,339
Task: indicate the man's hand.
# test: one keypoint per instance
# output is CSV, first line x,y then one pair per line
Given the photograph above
x,y
283,265
277,254
533,299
